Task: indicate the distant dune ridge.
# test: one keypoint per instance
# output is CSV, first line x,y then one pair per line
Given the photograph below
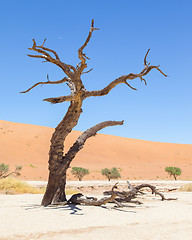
x,y
28,145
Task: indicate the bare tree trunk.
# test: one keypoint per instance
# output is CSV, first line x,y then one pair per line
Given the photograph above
x,y
56,166
60,195
51,189
60,175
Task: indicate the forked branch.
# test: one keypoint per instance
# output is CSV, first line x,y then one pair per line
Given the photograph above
x,y
117,197
55,60
153,190
81,55
134,191
68,98
65,79
124,78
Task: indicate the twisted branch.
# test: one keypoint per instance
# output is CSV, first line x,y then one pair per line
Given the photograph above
x,y
154,191
124,78
48,49
68,98
81,55
134,191
65,79
43,50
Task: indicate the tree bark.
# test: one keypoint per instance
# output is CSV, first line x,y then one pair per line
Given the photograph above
x,y
60,195
56,176
51,189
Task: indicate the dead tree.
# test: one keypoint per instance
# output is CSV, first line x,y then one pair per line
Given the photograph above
x,y
117,197
58,160
127,196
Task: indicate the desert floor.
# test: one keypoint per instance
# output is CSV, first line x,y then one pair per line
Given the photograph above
x,y
22,218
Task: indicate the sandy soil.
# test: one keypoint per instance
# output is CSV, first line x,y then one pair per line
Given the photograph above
x,y
28,145
22,218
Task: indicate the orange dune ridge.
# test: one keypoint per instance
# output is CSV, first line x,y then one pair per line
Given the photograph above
x,y
28,145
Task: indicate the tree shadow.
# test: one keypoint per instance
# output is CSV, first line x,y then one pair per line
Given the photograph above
x,y
70,207
118,209
75,208
32,206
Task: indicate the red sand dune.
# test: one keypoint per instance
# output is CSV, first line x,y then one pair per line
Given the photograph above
x,y
28,145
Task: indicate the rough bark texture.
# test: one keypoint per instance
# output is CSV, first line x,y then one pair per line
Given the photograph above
x,y
58,160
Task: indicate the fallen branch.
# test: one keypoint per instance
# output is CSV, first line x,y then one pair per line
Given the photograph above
x,y
117,197
92,201
134,191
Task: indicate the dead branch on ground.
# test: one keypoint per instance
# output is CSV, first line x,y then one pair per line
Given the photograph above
x,y
117,197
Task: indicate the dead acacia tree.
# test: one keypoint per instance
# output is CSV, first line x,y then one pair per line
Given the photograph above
x,y
58,160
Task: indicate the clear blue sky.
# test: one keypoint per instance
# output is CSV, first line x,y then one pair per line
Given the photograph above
x,y
160,111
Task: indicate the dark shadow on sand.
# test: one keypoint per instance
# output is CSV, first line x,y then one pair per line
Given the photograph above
x,y
75,208
70,207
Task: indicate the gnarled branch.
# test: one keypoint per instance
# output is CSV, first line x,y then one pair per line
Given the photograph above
x,y
154,191
68,98
48,49
134,191
117,197
81,55
65,79
44,51
124,78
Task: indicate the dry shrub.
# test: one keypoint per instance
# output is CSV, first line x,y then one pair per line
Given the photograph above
x,y
186,188
14,186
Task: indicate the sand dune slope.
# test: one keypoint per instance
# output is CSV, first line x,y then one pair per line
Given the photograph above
x,y
28,145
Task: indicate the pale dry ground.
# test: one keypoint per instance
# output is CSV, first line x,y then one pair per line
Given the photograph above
x,y
22,218
28,145
98,187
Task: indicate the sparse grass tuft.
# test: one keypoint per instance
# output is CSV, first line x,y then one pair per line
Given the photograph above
x,y
14,186
186,188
